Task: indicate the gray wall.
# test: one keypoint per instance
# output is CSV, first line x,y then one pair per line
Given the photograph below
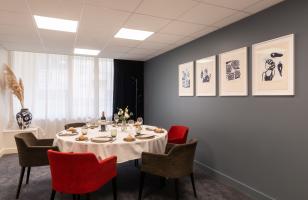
x,y
260,141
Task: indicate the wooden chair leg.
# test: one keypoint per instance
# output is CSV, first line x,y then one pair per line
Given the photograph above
x,y
136,163
21,177
193,184
114,187
142,176
53,194
176,184
28,175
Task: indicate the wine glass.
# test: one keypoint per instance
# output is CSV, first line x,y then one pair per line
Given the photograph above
x,y
131,123
116,118
140,121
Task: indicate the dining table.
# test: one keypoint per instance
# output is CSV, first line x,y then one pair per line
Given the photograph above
x,y
125,150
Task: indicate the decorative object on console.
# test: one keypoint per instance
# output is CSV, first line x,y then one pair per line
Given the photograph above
x,y
206,76
24,117
273,67
186,79
233,73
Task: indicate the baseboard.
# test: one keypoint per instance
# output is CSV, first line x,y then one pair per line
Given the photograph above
x,y
7,151
248,190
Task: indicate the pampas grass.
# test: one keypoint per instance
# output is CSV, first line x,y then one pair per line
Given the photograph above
x,y
17,87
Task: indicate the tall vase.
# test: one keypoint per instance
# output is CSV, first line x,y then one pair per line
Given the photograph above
x,y
24,118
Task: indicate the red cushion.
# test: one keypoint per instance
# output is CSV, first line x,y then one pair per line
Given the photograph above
x,y
79,173
178,134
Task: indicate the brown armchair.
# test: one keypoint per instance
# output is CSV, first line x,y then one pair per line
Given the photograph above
x,y
175,163
32,153
75,125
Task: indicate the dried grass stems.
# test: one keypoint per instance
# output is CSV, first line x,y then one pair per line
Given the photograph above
x,y
16,87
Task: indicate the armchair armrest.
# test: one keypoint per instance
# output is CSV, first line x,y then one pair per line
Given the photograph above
x,y
44,142
108,166
156,164
169,147
42,148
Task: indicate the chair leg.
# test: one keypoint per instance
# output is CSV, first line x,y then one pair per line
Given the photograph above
x,y
193,184
78,196
114,187
88,196
22,172
74,197
162,182
53,194
28,175
142,176
176,184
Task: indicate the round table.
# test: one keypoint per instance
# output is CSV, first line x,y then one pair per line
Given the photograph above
x,y
124,151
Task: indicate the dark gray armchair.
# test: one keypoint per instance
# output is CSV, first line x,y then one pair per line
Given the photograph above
x,y
31,153
175,163
74,125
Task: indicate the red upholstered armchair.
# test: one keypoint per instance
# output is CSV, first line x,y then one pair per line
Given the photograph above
x,y
178,134
80,173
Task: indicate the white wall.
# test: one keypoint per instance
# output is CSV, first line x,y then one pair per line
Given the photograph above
x,y
4,95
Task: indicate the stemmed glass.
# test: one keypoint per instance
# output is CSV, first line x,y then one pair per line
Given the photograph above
x,y
116,118
140,121
131,123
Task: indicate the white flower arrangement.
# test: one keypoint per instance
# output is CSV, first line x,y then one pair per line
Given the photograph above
x,y
124,114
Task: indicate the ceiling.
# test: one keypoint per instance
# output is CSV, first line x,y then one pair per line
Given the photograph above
x,y
174,23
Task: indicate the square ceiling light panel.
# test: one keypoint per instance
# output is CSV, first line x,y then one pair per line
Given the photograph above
x,y
133,34
56,24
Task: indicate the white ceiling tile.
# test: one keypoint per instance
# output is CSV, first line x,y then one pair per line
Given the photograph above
x,y
54,40
113,55
23,46
14,5
116,49
164,38
68,9
152,45
170,9
181,28
15,18
125,5
234,4
206,14
124,42
203,32
261,5
141,51
231,19
145,22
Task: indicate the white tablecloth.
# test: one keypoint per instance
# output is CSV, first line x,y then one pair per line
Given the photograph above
x,y
124,151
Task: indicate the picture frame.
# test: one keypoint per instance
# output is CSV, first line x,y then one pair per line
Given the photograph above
x,y
233,76
273,67
206,76
186,79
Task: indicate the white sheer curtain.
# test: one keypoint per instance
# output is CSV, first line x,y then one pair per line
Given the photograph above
x,y
61,89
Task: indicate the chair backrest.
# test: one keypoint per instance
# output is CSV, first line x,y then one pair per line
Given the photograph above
x,y
181,158
74,125
73,173
23,141
178,134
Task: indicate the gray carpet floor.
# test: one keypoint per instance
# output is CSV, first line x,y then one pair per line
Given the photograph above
x,y
128,182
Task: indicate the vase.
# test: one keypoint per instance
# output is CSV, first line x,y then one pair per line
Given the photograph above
x,y
123,125
24,118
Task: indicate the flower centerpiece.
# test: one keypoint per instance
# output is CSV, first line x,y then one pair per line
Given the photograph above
x,y
124,115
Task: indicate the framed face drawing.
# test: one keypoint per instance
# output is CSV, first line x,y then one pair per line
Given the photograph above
x,y
233,73
273,67
206,76
186,79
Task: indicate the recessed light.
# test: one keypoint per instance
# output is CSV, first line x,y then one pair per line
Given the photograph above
x,y
56,24
90,52
133,34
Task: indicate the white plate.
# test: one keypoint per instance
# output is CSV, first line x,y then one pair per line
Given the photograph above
x,y
102,139
145,136
67,133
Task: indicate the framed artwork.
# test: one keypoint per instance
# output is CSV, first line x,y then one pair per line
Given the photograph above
x,y
233,73
186,79
206,76
273,67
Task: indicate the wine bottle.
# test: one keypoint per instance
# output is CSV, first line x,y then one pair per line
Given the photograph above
x,y
103,119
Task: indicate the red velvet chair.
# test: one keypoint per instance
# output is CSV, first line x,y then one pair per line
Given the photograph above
x,y
80,173
178,134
